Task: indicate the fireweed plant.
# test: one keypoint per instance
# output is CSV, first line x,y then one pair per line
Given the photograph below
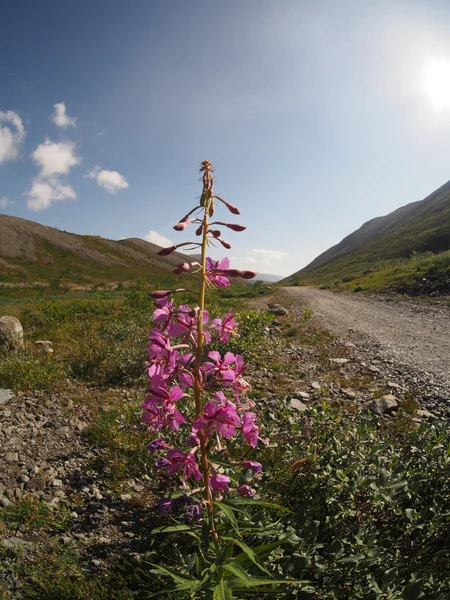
x,y
197,406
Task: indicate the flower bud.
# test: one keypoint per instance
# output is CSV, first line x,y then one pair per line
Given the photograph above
x,y
167,251
236,227
225,244
211,209
215,232
199,230
160,294
181,225
248,274
232,273
231,208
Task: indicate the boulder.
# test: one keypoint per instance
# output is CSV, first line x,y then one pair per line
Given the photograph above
x,y
298,405
277,309
43,344
5,396
11,333
384,405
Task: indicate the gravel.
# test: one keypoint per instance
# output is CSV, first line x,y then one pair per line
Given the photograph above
x,y
410,339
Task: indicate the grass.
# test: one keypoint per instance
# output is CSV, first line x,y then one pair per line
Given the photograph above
x,y
327,466
398,274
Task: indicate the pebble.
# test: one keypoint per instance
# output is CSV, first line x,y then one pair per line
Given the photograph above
x,y
298,405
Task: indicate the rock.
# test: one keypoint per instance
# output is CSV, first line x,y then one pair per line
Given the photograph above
x,y
339,361
425,414
277,309
393,385
298,405
5,396
315,385
384,405
44,344
11,457
373,369
35,484
15,544
57,483
350,394
11,333
302,395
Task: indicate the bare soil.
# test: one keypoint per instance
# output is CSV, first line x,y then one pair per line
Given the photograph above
x,y
413,337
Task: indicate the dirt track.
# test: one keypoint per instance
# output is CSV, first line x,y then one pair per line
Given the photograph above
x,y
411,334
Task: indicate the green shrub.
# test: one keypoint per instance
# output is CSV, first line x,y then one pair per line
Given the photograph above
x,y
371,510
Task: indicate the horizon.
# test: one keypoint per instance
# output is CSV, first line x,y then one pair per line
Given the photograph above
x,y
319,118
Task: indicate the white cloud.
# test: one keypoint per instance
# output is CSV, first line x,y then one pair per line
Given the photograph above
x,y
268,256
158,239
45,192
111,181
61,118
10,138
4,202
55,158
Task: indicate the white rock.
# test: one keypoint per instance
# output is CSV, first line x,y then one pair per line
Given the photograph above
x,y
384,405
298,405
11,333
5,396
339,361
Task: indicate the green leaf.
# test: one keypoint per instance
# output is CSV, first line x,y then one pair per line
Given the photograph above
x,y
248,552
222,591
253,502
389,575
228,511
236,570
413,591
409,512
173,529
264,585
262,551
186,583
353,558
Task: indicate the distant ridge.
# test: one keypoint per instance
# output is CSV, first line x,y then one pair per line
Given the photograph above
x,y
420,226
30,252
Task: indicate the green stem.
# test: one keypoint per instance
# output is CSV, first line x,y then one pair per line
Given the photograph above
x,y
198,379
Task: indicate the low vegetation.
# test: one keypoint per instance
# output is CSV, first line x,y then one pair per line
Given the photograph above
x,y
419,274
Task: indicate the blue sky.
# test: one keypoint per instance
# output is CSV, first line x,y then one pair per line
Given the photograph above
x,y
318,116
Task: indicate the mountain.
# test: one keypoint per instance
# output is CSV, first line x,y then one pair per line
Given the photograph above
x,y
422,226
267,278
30,253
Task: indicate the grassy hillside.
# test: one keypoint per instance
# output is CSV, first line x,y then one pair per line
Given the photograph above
x,y
390,251
33,254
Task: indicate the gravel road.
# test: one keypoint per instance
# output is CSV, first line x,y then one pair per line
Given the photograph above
x,y
410,335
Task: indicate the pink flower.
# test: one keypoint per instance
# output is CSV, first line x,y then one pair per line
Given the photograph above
x,y
222,419
213,271
158,444
219,483
246,490
180,461
159,345
222,368
225,326
159,406
256,467
163,315
249,430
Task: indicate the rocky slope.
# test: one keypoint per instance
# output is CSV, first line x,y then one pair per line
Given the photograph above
x,y
420,226
37,253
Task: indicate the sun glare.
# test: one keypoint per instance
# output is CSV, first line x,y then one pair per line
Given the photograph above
x,y
437,83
